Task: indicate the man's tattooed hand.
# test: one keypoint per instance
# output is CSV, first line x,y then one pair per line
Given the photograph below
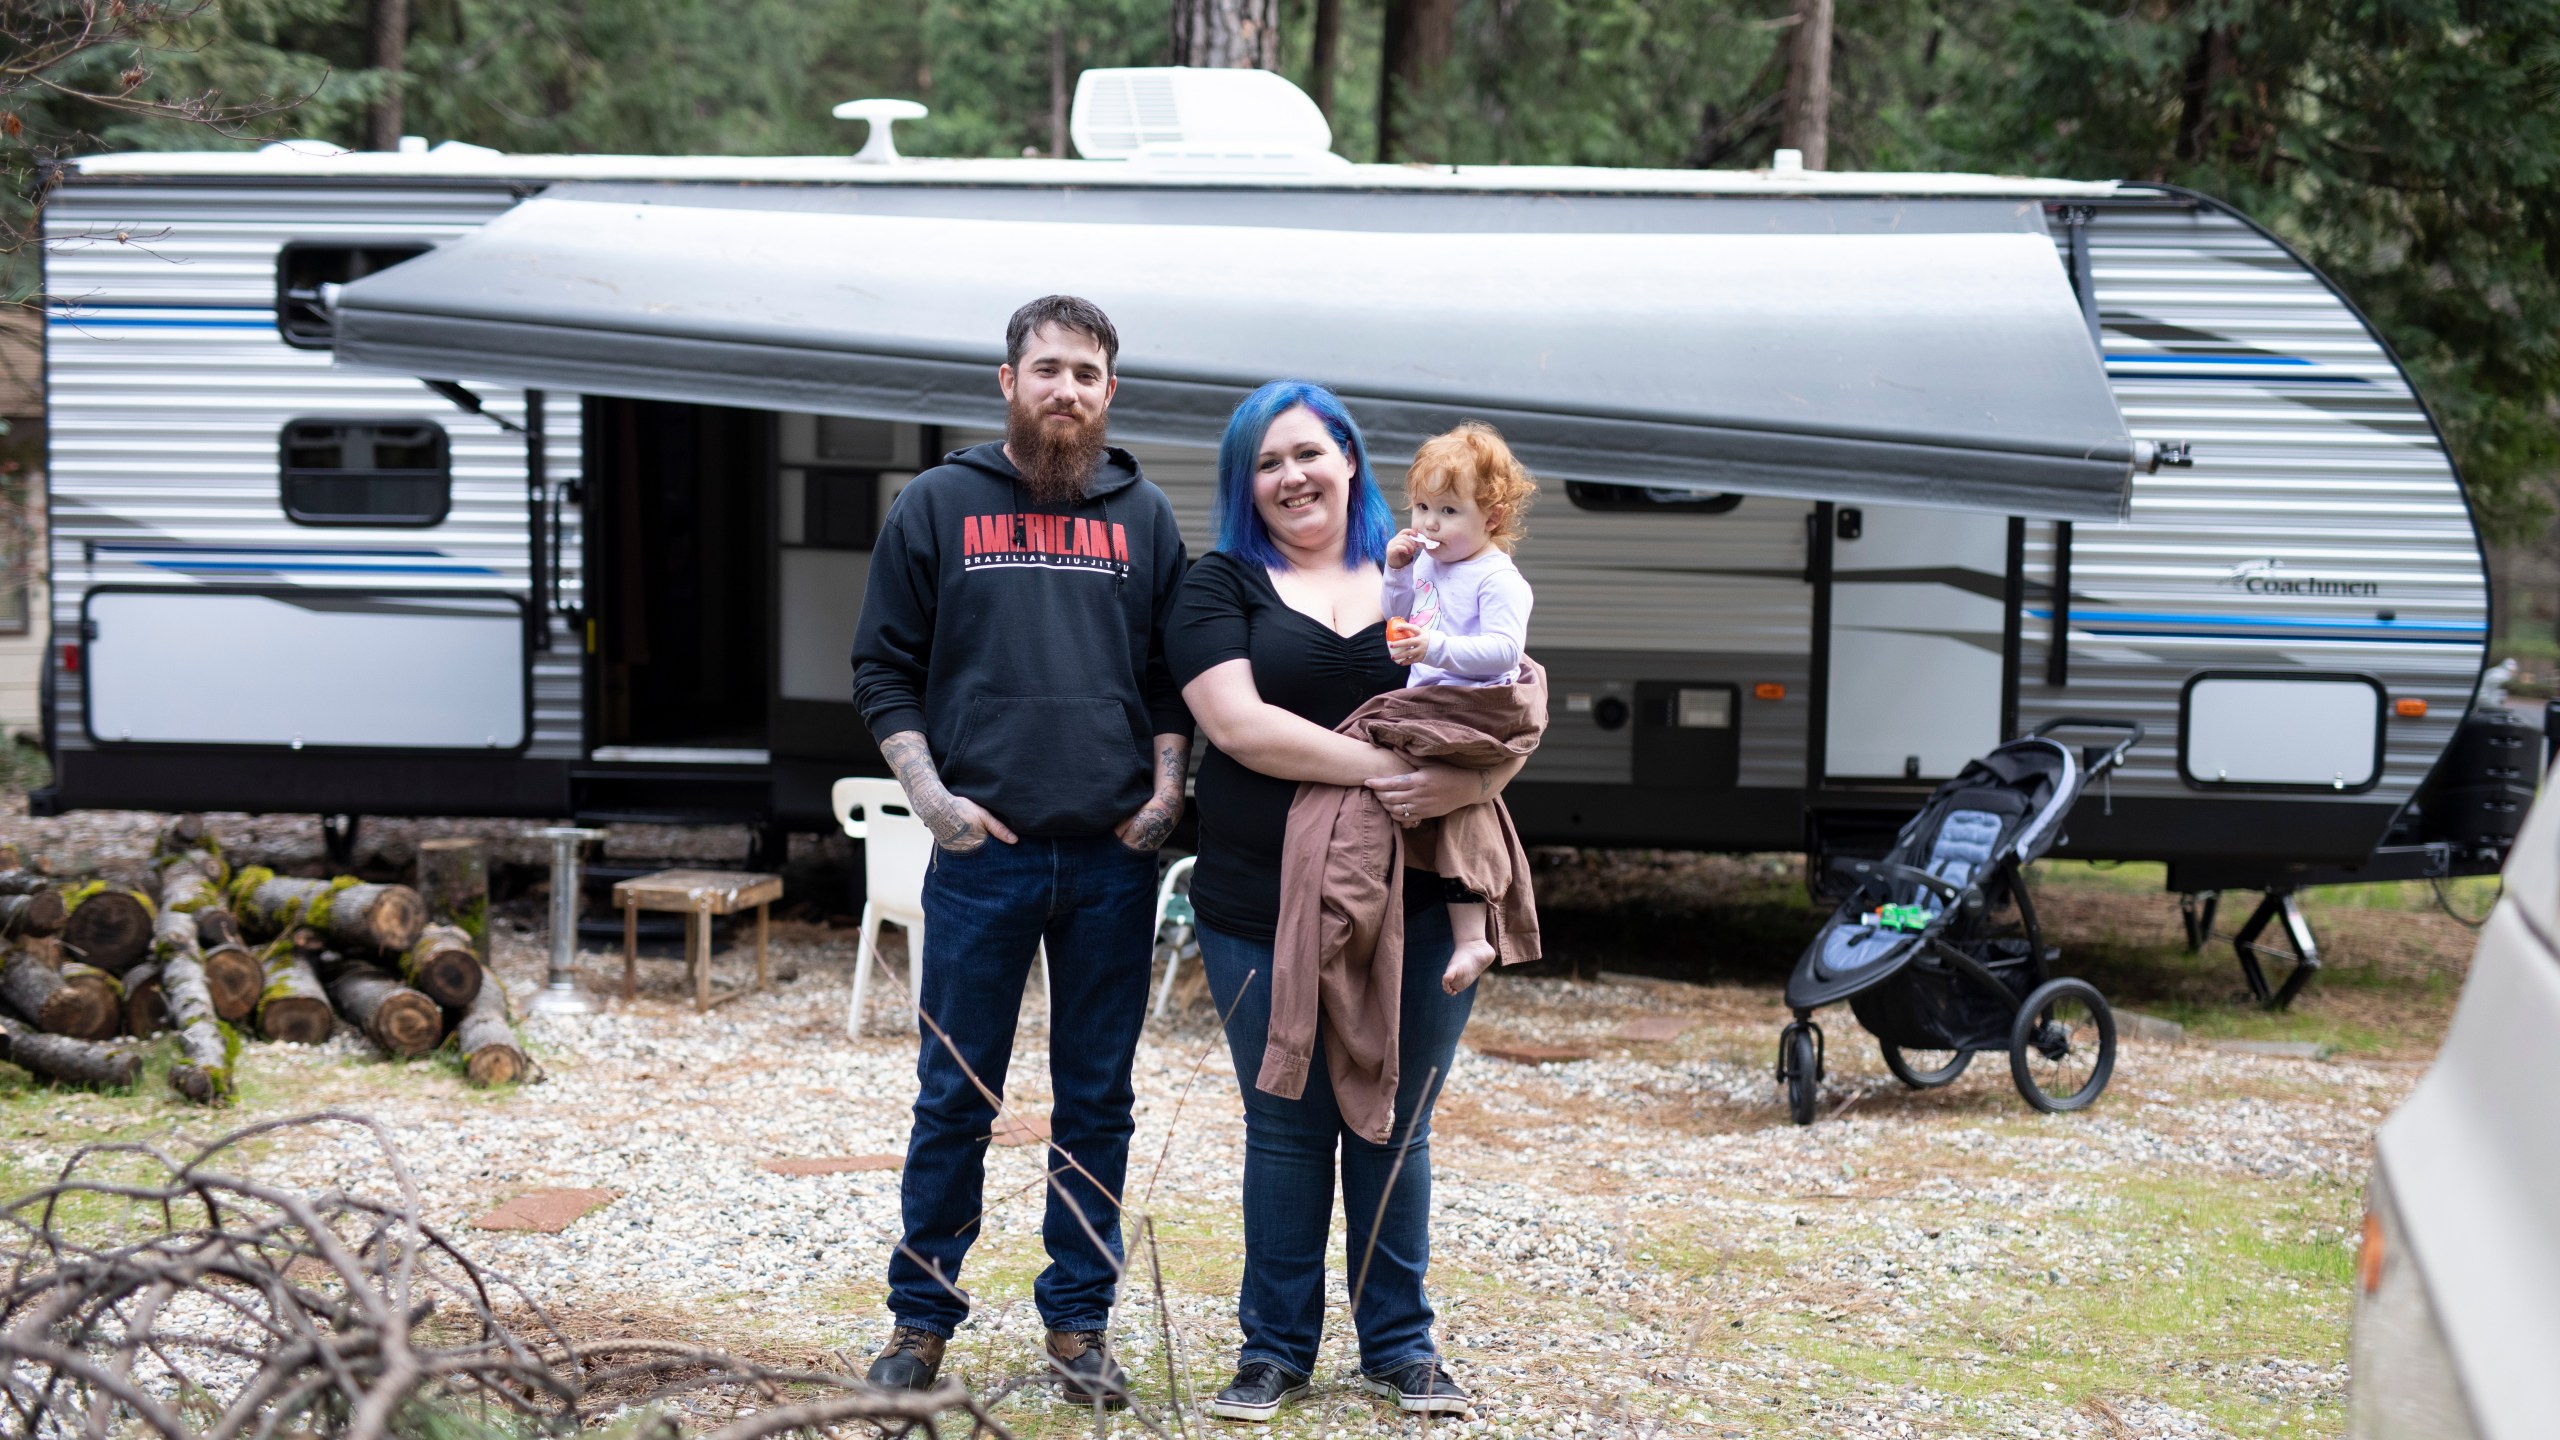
x,y
958,825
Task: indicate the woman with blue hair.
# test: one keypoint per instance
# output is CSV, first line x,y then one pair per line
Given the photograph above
x,y
1277,637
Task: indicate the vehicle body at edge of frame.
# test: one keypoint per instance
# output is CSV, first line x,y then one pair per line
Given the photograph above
x,y
2458,1276
286,585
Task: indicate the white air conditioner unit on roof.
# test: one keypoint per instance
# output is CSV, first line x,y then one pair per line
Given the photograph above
x,y
1176,112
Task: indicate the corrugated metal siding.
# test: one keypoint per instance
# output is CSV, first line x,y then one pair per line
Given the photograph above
x,y
170,387
2313,460
1621,598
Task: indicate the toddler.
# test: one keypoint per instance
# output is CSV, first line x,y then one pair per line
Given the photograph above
x,y
1459,608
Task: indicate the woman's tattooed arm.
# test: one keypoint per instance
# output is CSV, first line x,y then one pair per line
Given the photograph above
x,y
1155,820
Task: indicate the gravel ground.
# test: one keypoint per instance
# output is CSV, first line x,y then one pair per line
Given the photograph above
x,y
1634,1244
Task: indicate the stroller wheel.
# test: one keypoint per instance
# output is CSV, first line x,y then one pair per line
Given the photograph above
x,y
1800,1066
1924,1069
2062,1046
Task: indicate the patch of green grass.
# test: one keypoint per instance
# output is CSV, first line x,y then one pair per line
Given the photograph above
x,y
2227,1275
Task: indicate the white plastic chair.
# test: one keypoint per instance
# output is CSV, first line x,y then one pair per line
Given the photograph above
x,y
897,850
1173,898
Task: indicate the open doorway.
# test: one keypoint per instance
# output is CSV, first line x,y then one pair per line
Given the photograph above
x,y
680,542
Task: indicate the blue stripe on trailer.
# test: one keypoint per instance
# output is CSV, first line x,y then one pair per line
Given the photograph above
x,y
264,567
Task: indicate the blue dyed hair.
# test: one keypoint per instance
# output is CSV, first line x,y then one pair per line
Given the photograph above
x,y
1240,529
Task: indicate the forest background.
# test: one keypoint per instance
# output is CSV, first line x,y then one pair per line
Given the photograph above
x,y
2411,148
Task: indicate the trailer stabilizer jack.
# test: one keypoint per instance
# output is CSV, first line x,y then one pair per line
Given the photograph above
x,y
2304,948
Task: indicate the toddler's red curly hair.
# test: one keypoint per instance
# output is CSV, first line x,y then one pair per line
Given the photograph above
x,y
1473,461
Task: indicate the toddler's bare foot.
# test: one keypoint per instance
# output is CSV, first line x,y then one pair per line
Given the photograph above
x,y
1471,959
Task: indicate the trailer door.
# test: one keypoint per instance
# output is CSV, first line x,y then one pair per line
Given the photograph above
x,y
1914,664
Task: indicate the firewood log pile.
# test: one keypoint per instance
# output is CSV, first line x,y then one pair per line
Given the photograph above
x,y
255,1309
91,974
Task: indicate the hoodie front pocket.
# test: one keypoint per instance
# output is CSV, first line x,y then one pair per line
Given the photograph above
x,y
1051,765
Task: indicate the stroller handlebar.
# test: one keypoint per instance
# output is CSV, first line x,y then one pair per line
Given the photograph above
x,y
2099,760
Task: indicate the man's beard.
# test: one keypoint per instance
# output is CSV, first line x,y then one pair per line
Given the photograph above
x,y
1056,461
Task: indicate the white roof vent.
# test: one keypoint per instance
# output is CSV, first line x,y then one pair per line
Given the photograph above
x,y
1173,110
880,146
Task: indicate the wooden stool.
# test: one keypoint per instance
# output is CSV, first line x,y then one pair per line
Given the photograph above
x,y
699,895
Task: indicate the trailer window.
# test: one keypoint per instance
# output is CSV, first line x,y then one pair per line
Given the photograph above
x,y
302,316
1646,499
366,472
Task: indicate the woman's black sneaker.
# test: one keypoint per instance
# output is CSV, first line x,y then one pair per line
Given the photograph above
x,y
1081,1359
1421,1388
1258,1392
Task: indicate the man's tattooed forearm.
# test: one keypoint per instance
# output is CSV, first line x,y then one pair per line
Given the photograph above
x,y
911,759
1154,820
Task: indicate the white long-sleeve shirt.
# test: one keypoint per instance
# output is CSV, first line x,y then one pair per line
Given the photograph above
x,y
1474,616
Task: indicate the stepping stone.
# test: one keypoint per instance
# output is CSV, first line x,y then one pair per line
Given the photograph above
x,y
546,1212
2134,1025
1015,1128
1533,1054
830,1164
1654,1027
2281,1049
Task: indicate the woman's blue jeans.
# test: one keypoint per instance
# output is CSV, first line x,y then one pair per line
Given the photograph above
x,y
1289,1161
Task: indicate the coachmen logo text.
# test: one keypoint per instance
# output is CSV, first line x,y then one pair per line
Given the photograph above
x,y
2265,577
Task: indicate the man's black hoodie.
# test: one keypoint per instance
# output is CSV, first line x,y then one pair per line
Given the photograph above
x,y
1026,641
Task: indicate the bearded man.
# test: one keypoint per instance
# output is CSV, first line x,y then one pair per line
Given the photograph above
x,y
1011,661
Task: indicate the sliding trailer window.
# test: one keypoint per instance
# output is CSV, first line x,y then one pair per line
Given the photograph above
x,y
365,472
1646,499
303,268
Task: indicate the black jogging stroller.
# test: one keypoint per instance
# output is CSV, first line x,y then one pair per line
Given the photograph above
x,y
1937,949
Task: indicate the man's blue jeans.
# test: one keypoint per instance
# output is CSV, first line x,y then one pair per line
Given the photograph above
x,y
1289,1150
1092,899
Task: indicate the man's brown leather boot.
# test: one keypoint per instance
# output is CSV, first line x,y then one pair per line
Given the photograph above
x,y
913,1358
1085,1369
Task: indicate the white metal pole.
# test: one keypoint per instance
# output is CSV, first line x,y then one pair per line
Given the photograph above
x,y
561,995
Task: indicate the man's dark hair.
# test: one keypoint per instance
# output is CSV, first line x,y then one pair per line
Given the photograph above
x,y
1067,312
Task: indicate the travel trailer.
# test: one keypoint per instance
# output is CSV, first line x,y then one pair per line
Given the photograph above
x,y
454,482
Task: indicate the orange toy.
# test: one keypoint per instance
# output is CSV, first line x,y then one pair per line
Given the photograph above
x,y
1399,628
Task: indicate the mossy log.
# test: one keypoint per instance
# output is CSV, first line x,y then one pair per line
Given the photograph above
x,y
443,966
185,832
42,913
192,879
377,919
204,1073
235,978
59,1057
295,1006
108,927
491,1053
453,880
99,989
216,925
403,1022
87,1009
146,1006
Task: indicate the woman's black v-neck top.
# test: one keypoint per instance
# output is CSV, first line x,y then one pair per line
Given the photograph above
x,y
1229,610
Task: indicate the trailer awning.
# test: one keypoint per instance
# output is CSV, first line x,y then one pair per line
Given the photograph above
x,y
1896,352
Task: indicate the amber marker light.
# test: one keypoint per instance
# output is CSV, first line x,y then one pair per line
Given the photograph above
x,y
2369,1254
1769,690
2409,707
